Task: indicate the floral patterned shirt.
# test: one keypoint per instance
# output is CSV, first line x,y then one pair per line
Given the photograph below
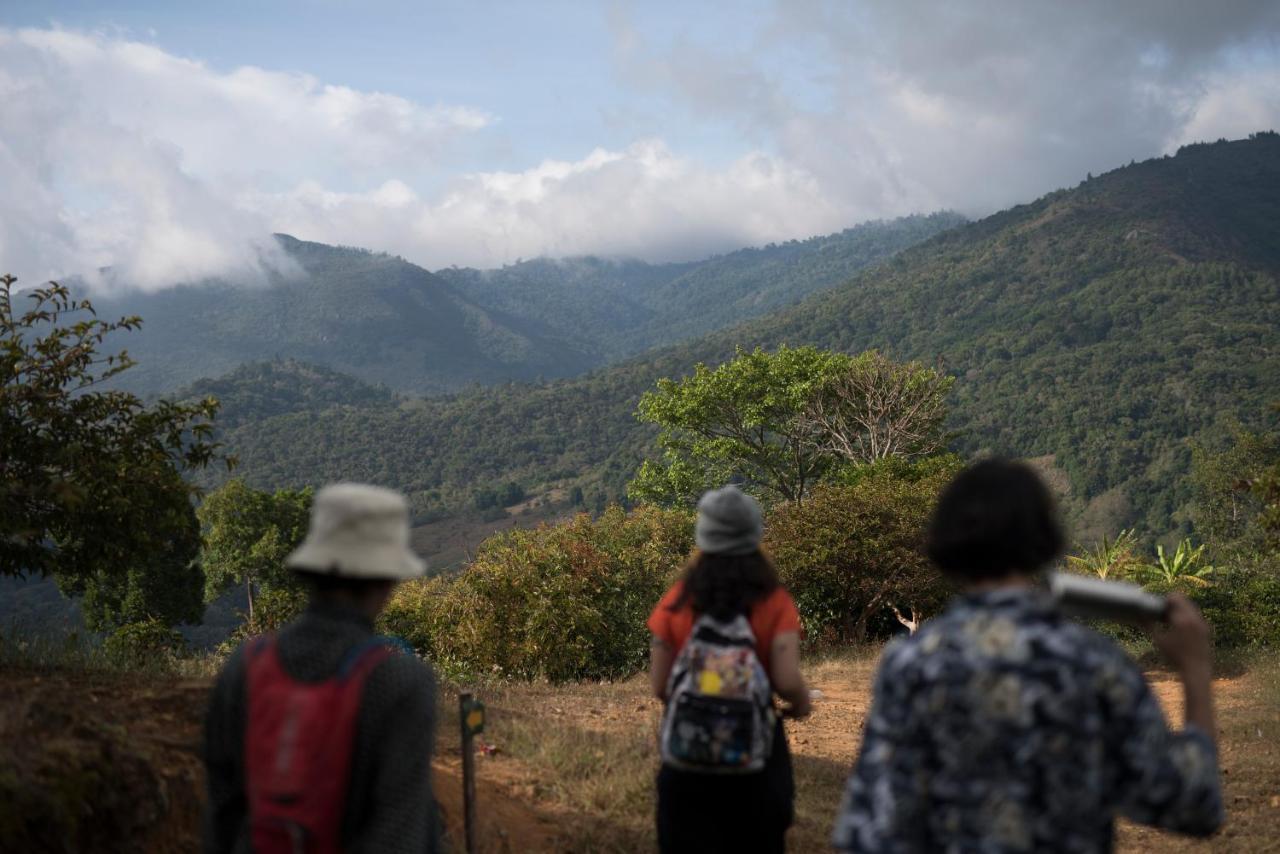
x,y
1003,726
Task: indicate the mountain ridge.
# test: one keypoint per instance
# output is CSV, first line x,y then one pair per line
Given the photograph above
x,y
1104,327
384,320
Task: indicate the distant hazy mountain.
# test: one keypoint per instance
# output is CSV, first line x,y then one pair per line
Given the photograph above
x,y
620,308
371,315
1102,326
384,320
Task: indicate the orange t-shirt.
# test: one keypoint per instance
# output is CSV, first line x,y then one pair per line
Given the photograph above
x,y
771,616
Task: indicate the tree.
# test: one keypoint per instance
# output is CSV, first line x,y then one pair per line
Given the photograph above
x,y
1110,558
853,553
167,588
1179,569
877,408
247,535
90,490
742,419
1227,503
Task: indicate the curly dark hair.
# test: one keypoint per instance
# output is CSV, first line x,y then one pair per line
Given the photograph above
x,y
725,586
996,518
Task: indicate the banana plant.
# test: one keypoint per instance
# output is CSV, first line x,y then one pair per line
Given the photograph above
x,y
1180,568
1109,559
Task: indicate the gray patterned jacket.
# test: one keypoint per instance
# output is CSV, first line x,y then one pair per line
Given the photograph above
x,y
1002,726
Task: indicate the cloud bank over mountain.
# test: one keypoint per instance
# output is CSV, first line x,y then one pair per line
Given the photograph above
x,y
117,153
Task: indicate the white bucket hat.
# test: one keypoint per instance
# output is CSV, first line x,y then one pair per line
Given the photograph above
x,y
358,531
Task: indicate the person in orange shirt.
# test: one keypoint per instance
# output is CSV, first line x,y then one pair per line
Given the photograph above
x,y
727,577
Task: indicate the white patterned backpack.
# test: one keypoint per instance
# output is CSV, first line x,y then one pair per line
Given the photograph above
x,y
719,716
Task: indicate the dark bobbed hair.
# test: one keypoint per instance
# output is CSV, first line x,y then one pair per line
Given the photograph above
x,y
725,586
996,518
324,584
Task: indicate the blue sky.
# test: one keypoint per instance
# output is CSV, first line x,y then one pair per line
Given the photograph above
x,y
166,140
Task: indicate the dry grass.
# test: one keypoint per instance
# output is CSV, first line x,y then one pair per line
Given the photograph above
x,y
578,760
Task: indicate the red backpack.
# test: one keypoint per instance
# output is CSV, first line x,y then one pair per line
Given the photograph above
x,y
298,745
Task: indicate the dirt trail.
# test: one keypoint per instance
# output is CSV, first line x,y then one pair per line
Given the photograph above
x,y
111,763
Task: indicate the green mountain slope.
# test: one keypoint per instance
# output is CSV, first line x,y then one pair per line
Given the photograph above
x,y
371,315
387,321
620,308
1105,325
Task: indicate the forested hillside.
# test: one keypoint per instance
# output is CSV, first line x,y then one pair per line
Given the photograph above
x,y
1104,325
384,320
620,308
372,315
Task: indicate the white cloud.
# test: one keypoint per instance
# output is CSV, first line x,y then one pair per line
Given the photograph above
x,y
643,201
117,153
911,105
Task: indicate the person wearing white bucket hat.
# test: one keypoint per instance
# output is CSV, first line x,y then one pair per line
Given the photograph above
x,y
323,731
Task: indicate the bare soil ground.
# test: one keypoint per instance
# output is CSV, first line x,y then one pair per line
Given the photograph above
x,y
110,763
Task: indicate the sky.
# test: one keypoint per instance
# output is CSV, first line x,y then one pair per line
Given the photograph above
x,y
165,142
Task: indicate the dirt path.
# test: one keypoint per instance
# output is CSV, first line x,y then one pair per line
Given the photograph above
x,y
111,763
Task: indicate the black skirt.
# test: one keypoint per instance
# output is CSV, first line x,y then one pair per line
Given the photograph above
x,y
711,813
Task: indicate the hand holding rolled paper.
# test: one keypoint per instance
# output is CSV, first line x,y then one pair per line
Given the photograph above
x,y
1095,599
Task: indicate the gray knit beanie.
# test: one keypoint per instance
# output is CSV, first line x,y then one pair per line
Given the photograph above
x,y
729,522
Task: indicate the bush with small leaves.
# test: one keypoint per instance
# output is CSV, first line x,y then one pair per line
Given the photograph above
x,y
148,642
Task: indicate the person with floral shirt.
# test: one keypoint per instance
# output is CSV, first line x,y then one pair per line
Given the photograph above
x,y
1002,725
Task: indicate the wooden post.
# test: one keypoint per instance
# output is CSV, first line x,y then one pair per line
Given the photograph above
x,y
471,717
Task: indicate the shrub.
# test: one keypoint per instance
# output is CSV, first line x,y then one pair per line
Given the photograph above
x,y
560,602
142,643
851,552
1243,607
273,608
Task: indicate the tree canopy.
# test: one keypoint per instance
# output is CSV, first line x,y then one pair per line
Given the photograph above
x,y
780,422
247,535
90,484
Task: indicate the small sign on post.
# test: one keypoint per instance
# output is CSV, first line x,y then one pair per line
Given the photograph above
x,y
471,715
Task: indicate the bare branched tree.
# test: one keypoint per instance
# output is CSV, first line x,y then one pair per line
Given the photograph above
x,y
880,408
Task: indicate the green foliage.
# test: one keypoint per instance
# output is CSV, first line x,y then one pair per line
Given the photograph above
x,y
1243,606
247,535
503,496
744,418
850,552
1112,559
1181,570
560,602
143,642
259,390
167,589
613,309
1235,510
90,490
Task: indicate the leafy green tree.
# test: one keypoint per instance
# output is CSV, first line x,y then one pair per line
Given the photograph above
x,y
1264,485
853,554
1226,501
877,408
1237,511
90,490
1183,568
247,535
743,419
1110,558
168,588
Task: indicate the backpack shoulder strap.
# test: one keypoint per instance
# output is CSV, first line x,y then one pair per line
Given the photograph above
x,y
735,632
